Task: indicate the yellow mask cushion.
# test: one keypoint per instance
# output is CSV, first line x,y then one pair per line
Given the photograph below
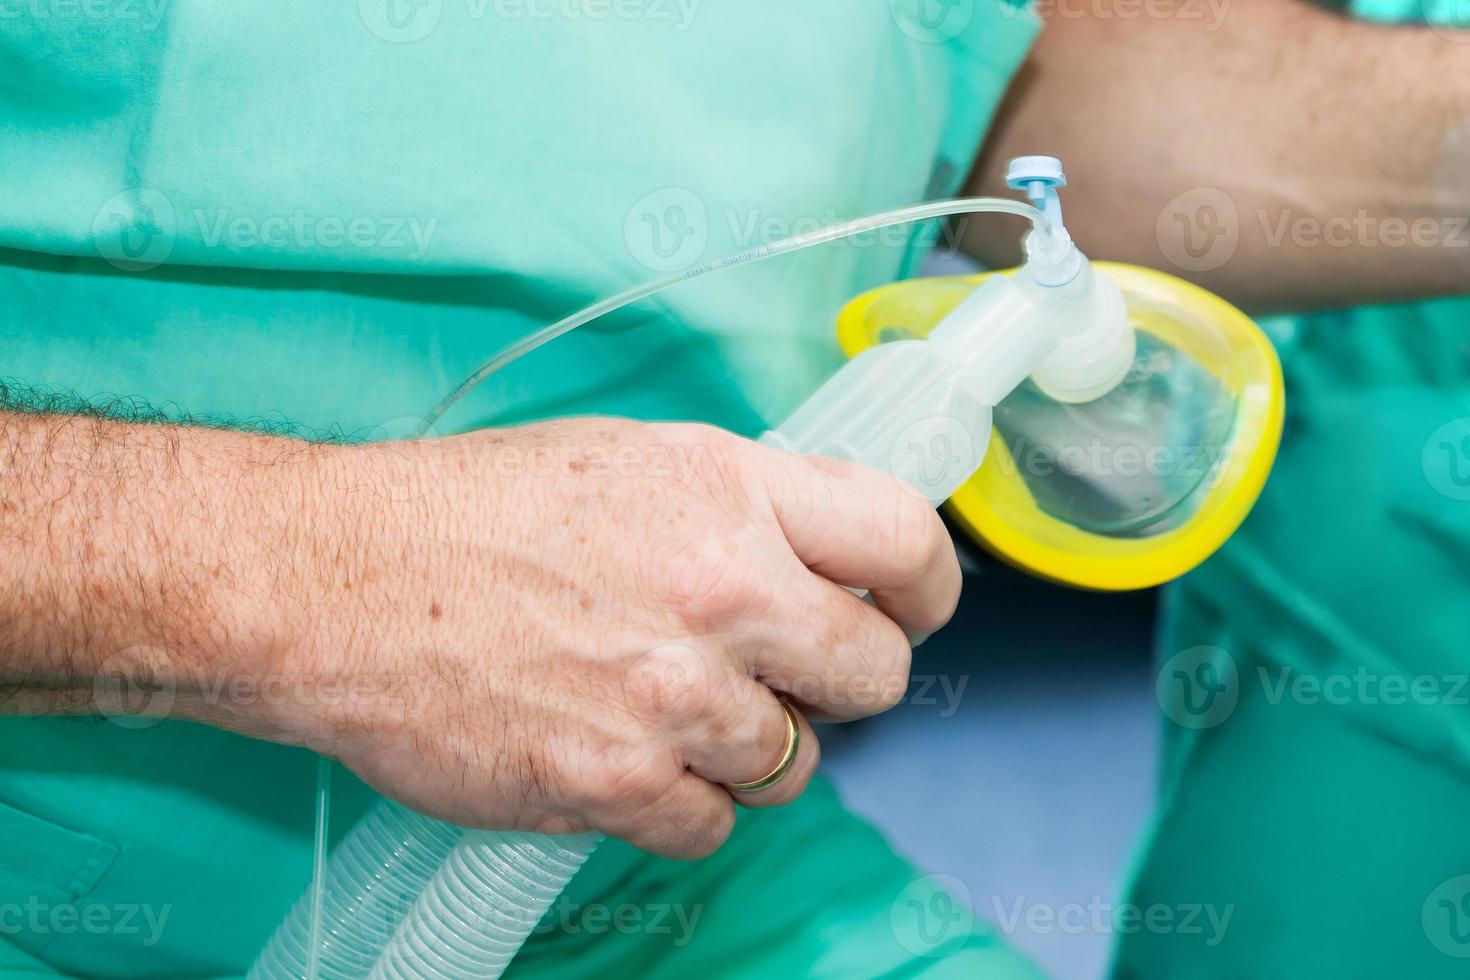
x,y
997,508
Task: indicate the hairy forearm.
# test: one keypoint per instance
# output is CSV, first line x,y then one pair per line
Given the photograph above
x,y
1281,155
146,555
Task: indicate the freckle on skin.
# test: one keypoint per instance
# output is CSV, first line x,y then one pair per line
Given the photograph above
x,y
435,610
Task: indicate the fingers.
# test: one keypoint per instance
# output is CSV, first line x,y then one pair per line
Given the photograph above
x,y
747,739
864,529
831,651
794,783
690,818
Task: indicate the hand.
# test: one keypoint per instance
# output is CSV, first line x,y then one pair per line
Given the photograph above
x,y
587,624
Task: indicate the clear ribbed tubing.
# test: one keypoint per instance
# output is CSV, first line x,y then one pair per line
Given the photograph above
x,y
372,880
477,911
406,896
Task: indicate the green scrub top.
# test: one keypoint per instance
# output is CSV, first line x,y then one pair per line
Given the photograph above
x,y
1316,777
315,217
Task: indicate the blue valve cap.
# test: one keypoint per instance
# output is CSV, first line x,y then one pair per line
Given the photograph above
x,y
1025,171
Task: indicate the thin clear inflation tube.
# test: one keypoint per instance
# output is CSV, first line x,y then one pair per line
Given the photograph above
x,y
404,897
821,236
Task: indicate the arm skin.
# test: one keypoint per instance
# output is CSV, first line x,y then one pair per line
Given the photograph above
x,y
151,554
555,627
1300,116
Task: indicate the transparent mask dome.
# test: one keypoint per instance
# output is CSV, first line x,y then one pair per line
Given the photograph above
x,y
1136,462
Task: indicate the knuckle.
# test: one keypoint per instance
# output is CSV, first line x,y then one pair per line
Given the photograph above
x,y
759,734
669,688
714,457
625,781
711,583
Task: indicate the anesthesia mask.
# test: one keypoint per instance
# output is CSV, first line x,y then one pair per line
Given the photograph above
x,y
1100,425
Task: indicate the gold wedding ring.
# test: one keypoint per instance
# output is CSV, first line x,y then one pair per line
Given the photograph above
x,y
793,743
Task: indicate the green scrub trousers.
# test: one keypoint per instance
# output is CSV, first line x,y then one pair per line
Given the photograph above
x,y
314,217
1317,783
